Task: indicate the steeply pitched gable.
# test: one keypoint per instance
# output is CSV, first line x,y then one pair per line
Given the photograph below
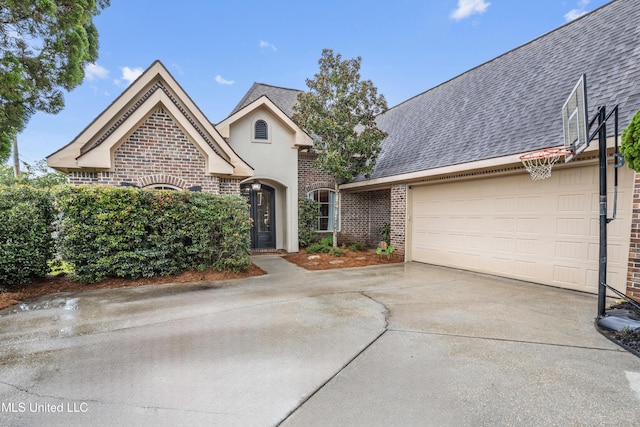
x,y
95,146
258,97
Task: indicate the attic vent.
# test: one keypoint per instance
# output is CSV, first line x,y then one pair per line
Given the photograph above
x,y
261,130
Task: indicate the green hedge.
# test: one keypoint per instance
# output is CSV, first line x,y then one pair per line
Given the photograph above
x,y
26,226
126,232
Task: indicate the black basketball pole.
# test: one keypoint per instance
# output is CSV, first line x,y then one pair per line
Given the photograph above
x,y
602,271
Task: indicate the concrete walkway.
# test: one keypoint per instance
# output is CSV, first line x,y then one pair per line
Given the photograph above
x,y
397,345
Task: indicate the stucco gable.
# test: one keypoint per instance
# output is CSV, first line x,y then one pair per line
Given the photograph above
x,y
93,148
301,138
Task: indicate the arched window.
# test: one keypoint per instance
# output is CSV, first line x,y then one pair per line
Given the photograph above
x,y
261,130
327,199
163,187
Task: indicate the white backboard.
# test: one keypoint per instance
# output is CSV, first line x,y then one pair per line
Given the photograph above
x,y
575,120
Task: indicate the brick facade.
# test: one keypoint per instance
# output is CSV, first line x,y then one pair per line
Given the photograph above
x,y
362,214
159,153
398,216
633,272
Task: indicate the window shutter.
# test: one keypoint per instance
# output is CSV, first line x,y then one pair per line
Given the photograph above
x,y
261,130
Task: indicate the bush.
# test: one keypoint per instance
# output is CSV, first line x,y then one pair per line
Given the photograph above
x,y
26,226
318,247
126,232
336,251
356,247
630,146
308,211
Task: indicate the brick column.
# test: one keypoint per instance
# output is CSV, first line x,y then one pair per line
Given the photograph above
x,y
398,217
633,272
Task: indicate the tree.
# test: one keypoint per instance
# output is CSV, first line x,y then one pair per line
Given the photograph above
x,y
38,175
630,146
45,46
340,109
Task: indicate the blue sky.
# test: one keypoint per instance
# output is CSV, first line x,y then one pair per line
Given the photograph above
x,y
217,49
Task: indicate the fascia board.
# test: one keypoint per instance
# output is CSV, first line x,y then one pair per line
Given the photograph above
x,y
493,163
301,139
102,156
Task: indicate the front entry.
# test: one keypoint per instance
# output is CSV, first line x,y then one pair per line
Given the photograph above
x,y
262,203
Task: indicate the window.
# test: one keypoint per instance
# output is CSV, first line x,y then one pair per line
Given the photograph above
x,y
261,130
327,200
163,187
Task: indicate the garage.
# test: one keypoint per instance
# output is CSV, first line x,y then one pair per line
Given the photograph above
x,y
540,231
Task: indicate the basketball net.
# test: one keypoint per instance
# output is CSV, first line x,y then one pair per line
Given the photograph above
x,y
539,163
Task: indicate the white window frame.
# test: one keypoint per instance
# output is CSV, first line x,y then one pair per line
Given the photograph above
x,y
331,208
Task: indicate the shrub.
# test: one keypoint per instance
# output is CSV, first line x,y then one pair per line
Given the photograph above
x,y
356,247
308,211
327,240
26,226
336,251
630,146
126,232
318,247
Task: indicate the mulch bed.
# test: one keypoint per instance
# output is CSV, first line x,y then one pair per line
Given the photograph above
x,y
320,261
629,340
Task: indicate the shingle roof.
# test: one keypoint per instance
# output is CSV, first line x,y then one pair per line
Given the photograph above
x,y
512,104
284,98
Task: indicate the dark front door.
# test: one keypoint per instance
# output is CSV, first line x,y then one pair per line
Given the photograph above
x,y
262,209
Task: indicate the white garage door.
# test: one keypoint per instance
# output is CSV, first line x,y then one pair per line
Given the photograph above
x,y
543,231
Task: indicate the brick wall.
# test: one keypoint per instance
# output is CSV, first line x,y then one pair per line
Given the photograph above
x,y
398,217
362,214
633,272
309,177
158,152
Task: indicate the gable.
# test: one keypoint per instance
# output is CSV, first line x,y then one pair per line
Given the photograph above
x,y
264,105
157,143
156,88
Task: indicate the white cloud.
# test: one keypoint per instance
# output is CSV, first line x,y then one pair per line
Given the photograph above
x,y
574,14
466,8
578,12
177,68
267,45
94,72
130,74
222,81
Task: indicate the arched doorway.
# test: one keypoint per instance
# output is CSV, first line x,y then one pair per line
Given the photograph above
x,y
262,209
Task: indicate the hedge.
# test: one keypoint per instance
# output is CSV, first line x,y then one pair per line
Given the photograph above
x,y
126,232
26,226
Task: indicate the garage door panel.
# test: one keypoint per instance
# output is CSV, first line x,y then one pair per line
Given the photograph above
x,y
574,226
544,231
571,250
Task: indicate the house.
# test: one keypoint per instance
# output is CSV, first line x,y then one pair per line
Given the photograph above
x,y
449,179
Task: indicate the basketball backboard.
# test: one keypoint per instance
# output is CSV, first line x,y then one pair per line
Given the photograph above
x,y
574,119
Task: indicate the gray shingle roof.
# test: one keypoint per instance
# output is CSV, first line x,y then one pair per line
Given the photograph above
x,y
284,98
512,104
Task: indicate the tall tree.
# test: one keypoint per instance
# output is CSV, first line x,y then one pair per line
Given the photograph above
x,y
340,109
45,45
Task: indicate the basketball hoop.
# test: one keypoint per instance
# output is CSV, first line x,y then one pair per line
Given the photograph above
x,y
539,163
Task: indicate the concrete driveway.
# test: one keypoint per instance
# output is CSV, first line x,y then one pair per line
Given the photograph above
x,y
397,345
